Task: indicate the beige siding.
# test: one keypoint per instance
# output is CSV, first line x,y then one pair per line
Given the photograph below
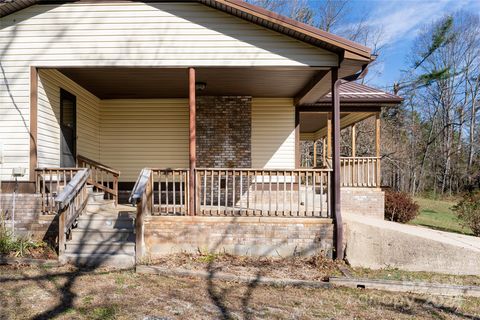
x,y
124,34
273,133
88,117
144,133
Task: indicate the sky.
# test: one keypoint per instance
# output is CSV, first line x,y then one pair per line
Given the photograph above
x,y
400,22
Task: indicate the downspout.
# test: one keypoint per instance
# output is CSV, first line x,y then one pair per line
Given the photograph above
x,y
336,200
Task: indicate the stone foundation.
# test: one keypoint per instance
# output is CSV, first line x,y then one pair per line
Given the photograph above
x,y
29,222
254,236
363,201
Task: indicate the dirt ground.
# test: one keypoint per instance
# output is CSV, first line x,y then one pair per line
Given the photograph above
x,y
69,293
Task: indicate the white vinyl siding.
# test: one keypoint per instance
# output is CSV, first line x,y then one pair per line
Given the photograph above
x,y
124,34
88,118
273,133
144,133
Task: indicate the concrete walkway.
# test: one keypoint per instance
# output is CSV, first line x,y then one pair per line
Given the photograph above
x,y
375,243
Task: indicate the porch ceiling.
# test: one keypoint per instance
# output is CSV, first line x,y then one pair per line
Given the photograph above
x,y
138,83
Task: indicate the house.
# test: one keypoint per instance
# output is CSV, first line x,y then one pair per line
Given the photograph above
x,y
195,107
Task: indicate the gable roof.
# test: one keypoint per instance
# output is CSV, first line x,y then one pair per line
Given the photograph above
x,y
253,14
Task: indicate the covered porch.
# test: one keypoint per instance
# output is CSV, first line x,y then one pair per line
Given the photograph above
x,y
217,141
211,141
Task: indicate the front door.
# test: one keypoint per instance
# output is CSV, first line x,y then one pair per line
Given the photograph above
x,y
68,129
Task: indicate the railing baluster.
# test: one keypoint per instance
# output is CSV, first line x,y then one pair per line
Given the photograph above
x,y
166,191
255,193
299,190
174,192
204,192
247,204
269,193
219,188
277,192
233,192
241,193
306,193
291,192
284,191
182,209
226,193
313,193
211,191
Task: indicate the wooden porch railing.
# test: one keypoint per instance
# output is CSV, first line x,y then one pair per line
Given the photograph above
x,y
70,203
360,172
102,177
170,191
50,182
262,192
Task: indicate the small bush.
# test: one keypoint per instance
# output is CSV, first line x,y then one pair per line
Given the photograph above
x,y
468,211
400,207
16,246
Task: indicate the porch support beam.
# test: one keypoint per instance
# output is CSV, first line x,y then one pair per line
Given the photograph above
x,y
377,146
329,135
335,83
315,89
315,153
192,140
297,137
33,122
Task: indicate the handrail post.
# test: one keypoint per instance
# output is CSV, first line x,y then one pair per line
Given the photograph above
x,y
115,189
144,208
62,238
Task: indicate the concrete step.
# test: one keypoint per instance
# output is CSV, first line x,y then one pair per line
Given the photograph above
x,y
110,212
94,197
80,234
97,221
92,247
119,261
98,206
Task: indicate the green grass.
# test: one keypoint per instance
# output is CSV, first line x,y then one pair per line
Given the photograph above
x,y
437,214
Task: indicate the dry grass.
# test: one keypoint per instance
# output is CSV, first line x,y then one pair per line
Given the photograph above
x,y
304,268
67,293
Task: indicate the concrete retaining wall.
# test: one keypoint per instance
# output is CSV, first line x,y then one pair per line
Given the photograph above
x,y
256,236
376,244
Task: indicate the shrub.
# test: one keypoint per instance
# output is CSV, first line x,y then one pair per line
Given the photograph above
x,y
468,211
11,245
400,207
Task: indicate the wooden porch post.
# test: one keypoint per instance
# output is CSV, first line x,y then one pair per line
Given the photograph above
x,y
329,134
354,140
192,140
33,121
297,138
336,165
315,153
377,147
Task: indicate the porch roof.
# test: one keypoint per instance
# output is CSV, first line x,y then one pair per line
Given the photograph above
x,y
357,102
353,93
